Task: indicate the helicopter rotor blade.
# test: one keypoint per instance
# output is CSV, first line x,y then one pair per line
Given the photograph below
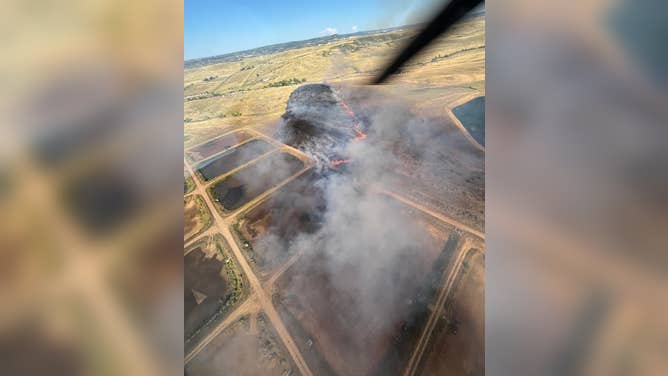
x,y
451,13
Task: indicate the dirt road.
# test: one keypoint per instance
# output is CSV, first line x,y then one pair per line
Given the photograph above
x,y
463,250
262,297
282,269
432,213
249,306
459,124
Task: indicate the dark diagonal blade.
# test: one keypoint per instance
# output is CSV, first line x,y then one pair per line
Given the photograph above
x,y
452,12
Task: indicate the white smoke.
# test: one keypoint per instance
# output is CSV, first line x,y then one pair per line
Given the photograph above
x,y
329,31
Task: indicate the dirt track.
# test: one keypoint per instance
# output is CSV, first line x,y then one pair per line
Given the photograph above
x,y
262,297
462,251
432,213
282,269
459,124
246,307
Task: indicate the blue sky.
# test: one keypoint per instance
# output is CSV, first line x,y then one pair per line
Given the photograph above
x,y
216,27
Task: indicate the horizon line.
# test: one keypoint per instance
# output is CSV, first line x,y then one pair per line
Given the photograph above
x,y
301,40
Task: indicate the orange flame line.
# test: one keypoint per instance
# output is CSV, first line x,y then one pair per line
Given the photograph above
x,y
356,126
337,162
360,135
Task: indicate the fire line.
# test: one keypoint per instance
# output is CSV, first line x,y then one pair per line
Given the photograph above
x,y
356,128
337,162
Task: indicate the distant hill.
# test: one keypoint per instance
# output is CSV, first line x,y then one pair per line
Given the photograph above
x,y
274,48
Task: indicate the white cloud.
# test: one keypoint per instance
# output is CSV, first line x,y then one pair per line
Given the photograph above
x,y
354,28
329,31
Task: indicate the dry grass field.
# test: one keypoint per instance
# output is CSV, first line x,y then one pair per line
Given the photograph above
x,y
449,70
355,266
